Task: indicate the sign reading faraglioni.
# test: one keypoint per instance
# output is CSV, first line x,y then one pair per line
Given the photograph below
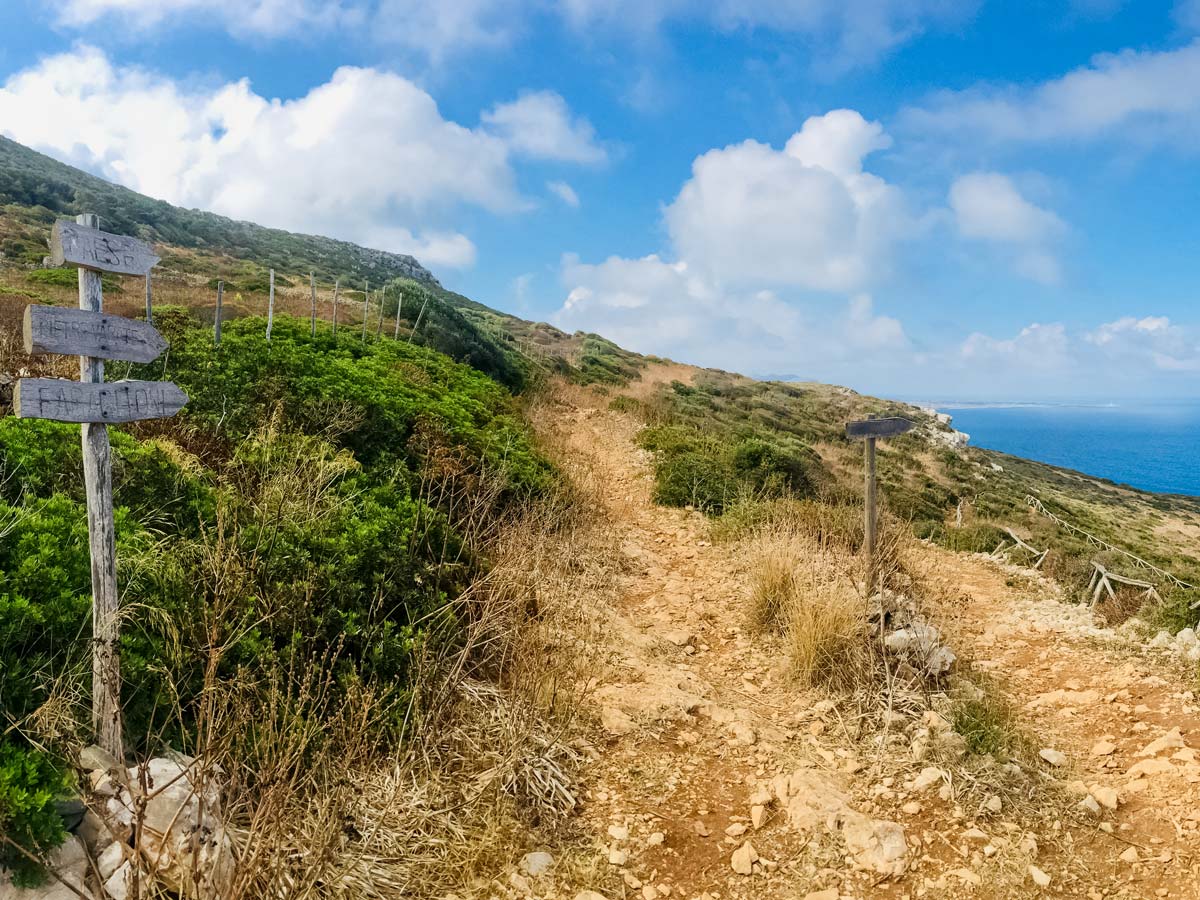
x,y
89,248
114,401
82,332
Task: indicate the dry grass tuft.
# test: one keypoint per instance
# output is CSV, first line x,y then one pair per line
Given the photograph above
x,y
807,592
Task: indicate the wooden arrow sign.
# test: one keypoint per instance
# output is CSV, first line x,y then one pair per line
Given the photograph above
x,y
115,401
89,248
82,332
878,428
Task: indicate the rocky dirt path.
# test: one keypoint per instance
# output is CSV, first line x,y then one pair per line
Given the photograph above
x,y
714,777
1126,719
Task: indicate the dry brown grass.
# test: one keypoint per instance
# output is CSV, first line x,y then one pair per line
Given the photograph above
x,y
808,593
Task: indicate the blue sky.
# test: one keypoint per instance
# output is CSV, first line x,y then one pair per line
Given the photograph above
x,y
918,198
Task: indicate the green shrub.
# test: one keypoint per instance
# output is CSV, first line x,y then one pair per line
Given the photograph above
x,y
977,537
310,502
1180,609
623,404
70,278
30,782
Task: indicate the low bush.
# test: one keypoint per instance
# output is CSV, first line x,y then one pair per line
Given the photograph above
x,y
1179,609
713,473
70,278
987,721
317,500
30,783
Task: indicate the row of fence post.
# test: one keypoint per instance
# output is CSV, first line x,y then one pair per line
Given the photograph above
x,y
312,286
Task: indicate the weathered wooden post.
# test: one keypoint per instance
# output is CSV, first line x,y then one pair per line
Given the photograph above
x,y
149,304
399,306
417,324
217,320
336,285
366,308
312,287
271,307
870,429
95,337
379,324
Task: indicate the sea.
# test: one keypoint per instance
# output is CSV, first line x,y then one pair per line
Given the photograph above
x,y
1152,446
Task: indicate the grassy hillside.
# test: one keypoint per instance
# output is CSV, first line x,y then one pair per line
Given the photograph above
x,y
35,189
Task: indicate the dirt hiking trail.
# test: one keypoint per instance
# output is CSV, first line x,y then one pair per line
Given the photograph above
x,y
715,776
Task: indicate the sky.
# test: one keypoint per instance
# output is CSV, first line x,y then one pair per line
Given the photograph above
x,y
926,199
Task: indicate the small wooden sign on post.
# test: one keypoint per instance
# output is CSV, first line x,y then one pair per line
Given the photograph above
x,y
95,337
869,430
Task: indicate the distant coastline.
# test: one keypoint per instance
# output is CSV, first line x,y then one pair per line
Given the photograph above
x,y
1145,444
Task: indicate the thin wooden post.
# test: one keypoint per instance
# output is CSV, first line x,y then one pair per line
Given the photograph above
x,y
379,325
870,515
366,308
97,479
312,287
336,285
399,305
417,324
271,307
217,320
149,304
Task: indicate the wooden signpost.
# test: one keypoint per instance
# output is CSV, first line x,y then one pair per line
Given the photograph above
x,y
870,429
90,401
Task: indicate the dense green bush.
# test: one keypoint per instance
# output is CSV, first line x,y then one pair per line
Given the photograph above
x,y
305,505
711,472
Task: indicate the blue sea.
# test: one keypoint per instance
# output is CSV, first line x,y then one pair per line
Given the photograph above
x,y
1153,446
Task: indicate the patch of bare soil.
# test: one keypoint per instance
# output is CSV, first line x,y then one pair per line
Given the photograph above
x,y
714,776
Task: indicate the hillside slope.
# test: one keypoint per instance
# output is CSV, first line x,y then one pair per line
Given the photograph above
x,y
35,189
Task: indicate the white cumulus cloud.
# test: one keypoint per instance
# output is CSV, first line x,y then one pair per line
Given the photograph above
x,y
988,207
759,237
808,216
1139,96
1038,346
539,125
366,156
1156,339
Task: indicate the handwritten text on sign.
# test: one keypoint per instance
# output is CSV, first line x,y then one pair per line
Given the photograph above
x,y
116,401
82,332
90,248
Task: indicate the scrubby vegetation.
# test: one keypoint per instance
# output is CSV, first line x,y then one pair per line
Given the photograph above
x,y
318,494
35,189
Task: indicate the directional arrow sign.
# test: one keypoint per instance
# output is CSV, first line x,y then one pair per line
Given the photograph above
x,y
115,401
89,248
82,332
878,428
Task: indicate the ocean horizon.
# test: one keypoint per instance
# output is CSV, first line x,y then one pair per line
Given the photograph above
x,y
1151,445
